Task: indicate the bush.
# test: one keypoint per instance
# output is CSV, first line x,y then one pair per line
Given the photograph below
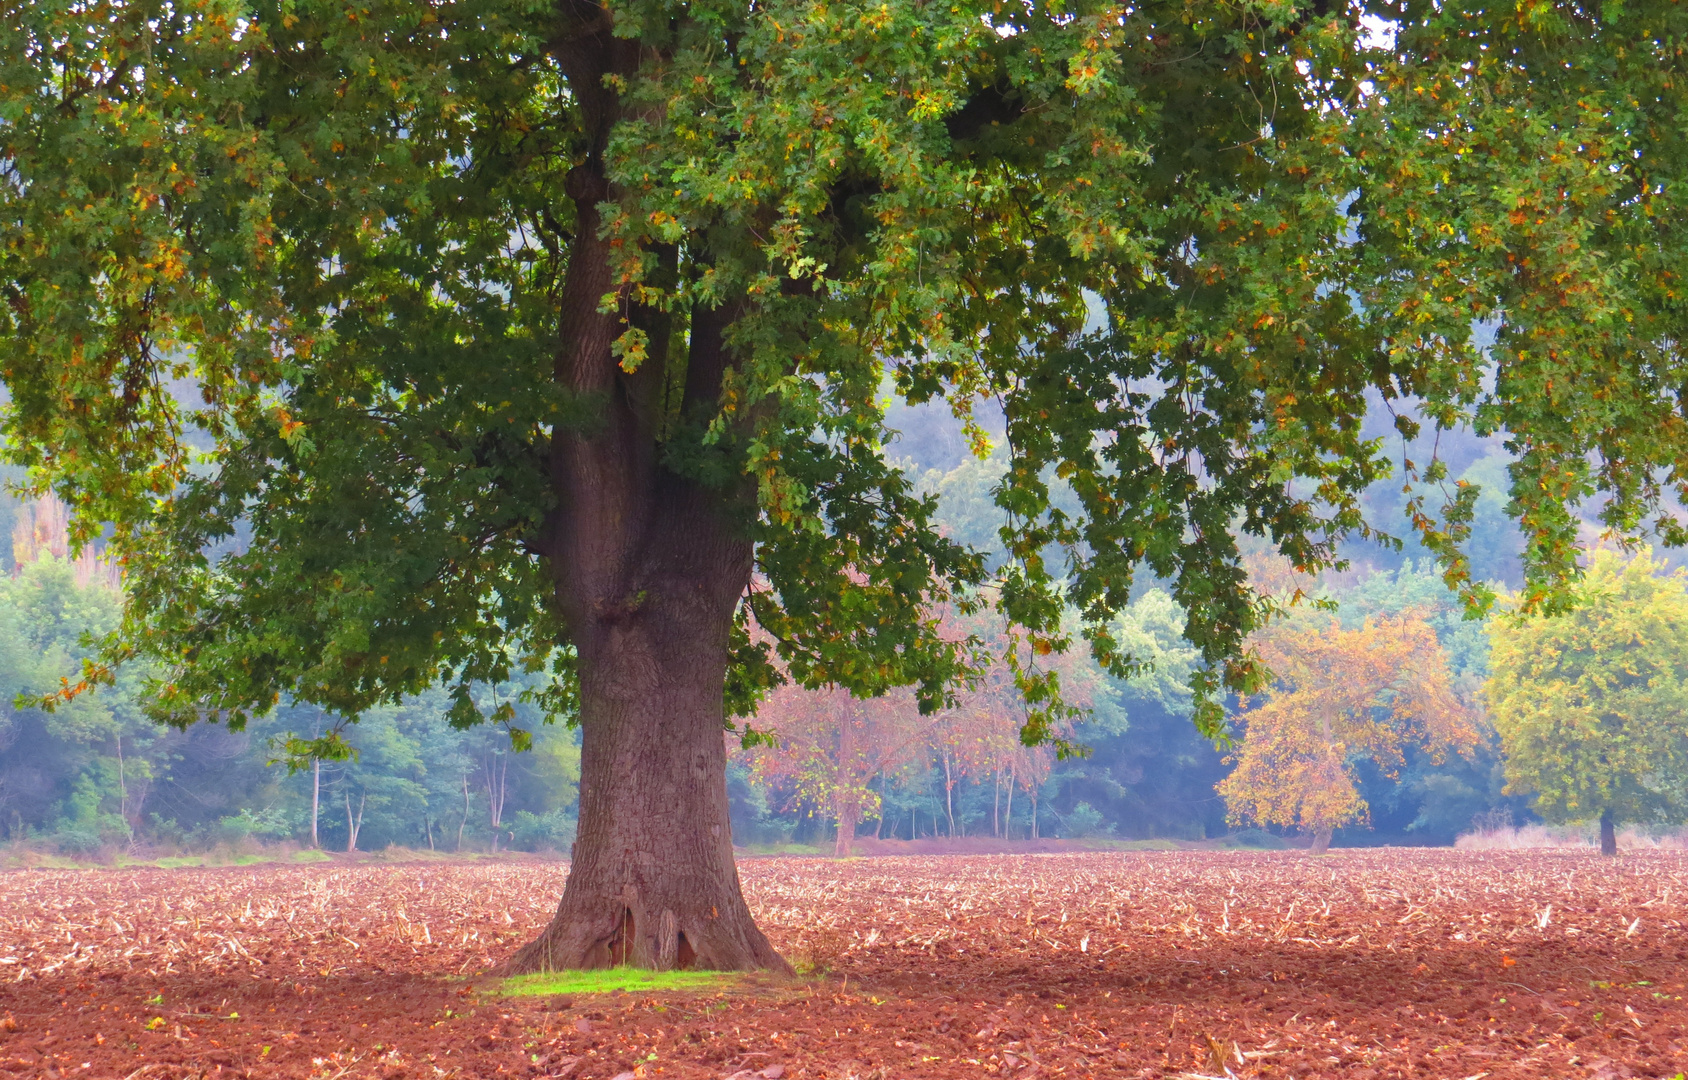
x,y
1085,820
542,832
266,824
166,831
78,841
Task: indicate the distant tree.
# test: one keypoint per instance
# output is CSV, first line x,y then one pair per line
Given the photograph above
x,y
828,747
984,737
1592,706
1340,696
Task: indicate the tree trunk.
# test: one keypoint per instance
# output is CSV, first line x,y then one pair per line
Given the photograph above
x,y
652,882
316,798
465,819
996,803
1008,812
123,792
1321,840
849,816
650,565
1608,833
354,826
949,796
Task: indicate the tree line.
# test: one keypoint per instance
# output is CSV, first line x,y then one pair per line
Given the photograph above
x,y
1392,718
96,774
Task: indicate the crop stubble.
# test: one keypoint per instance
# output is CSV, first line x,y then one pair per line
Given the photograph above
x,y
1380,963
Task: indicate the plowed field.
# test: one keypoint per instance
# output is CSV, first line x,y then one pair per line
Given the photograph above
x,y
1382,963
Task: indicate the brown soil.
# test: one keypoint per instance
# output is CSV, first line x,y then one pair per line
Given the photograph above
x,y
1435,964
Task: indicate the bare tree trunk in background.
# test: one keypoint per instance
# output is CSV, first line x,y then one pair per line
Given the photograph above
x,y
849,816
465,820
996,803
353,825
1322,831
1008,816
428,826
949,794
316,798
1032,794
123,794
496,768
1608,833
122,787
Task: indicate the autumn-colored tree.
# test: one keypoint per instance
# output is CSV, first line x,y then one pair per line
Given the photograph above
x,y
1592,706
829,746
43,529
1341,696
984,736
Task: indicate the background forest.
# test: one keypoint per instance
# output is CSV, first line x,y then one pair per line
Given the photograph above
x,y
98,774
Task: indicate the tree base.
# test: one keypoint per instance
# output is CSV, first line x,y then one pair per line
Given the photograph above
x,y
1608,834
596,932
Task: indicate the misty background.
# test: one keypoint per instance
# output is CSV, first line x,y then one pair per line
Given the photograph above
x,y
97,775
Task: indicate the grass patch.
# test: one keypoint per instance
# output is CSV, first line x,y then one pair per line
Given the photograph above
x,y
310,855
808,850
610,980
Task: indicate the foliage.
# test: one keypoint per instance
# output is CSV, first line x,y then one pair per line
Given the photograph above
x,y
1340,696
1147,773
828,748
1592,707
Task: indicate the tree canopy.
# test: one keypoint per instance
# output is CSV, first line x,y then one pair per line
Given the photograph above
x,y
346,230
1592,707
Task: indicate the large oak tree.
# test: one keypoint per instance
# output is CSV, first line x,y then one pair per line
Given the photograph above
x,y
400,342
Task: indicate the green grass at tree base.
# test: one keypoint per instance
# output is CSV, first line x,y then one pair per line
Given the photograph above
x,y
611,980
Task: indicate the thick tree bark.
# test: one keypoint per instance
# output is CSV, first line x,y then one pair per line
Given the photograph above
x,y
650,565
1608,834
1321,840
652,882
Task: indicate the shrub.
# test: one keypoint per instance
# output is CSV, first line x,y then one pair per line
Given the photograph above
x,y
1085,820
78,841
266,824
552,831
